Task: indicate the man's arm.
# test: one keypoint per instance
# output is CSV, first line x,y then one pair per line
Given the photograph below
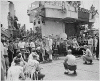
x,y
22,75
38,68
66,59
87,53
22,58
77,44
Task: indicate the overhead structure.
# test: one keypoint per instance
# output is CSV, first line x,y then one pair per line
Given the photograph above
x,y
55,17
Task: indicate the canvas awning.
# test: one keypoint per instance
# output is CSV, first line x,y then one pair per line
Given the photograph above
x,y
63,36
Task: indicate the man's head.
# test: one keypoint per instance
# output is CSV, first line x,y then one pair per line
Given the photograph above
x,y
7,41
61,38
8,13
23,40
16,40
17,61
17,52
19,55
89,36
34,56
69,51
95,37
11,42
5,45
50,36
85,46
74,39
33,50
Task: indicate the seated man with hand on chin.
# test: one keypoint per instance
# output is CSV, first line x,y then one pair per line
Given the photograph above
x,y
34,68
19,55
70,63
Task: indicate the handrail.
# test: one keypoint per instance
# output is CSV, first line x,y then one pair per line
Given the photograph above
x,y
5,32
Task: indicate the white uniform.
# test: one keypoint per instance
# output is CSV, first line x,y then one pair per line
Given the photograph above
x,y
32,45
32,66
31,57
71,60
88,55
90,44
50,46
21,44
50,43
14,73
95,43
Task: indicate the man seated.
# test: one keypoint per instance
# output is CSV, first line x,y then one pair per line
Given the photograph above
x,y
34,68
33,52
15,73
39,52
70,63
19,55
88,55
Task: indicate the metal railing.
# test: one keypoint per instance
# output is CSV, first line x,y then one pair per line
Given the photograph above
x,y
6,33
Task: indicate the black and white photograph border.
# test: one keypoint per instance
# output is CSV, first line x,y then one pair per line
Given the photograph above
x,y
49,40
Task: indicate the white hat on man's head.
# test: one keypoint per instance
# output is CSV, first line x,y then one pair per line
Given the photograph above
x,y
85,46
34,54
90,36
38,48
69,51
33,49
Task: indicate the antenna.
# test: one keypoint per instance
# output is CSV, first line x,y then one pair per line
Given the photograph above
x,y
82,4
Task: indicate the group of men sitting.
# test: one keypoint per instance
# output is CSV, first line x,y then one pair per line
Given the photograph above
x,y
21,69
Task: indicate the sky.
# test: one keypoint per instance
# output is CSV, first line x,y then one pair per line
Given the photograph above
x,y
22,6
21,12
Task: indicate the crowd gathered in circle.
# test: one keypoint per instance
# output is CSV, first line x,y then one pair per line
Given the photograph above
x,y
20,58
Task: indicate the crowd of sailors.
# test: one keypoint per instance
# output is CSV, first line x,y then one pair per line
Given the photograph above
x,y
13,52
